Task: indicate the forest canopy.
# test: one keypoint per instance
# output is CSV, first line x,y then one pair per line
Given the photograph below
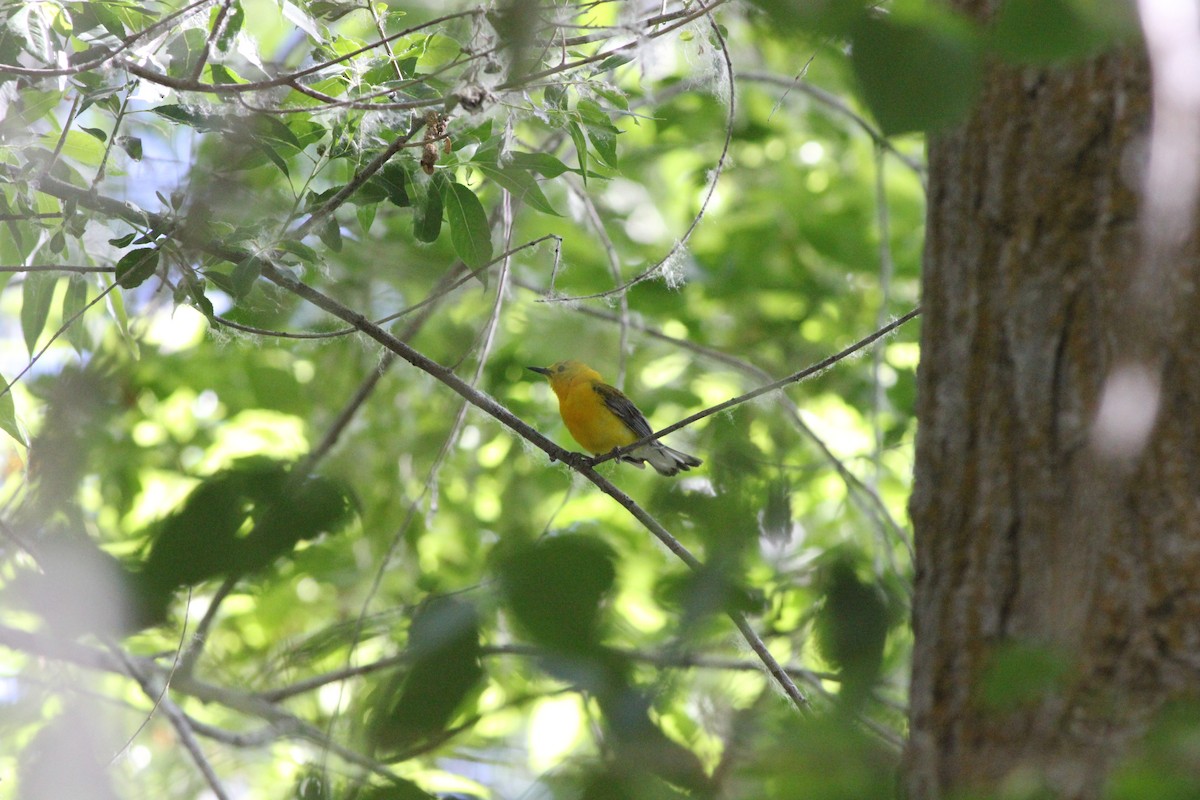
x,y
284,512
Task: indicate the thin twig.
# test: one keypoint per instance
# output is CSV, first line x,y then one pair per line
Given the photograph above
x,y
126,43
816,368
61,330
182,729
217,27
503,415
166,684
839,105
57,268
714,178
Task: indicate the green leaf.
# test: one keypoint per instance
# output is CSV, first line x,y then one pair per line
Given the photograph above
x,y
121,315
30,23
443,652
834,17
600,130
132,145
427,222
195,293
92,14
293,513
177,113
330,232
469,230
581,150
270,129
542,163
555,589
244,275
233,25
31,106
203,540
521,185
613,61
556,96
222,74
199,540
389,183
36,296
393,178
8,413
136,266
851,625
271,153
1043,32
366,216
74,301
300,250
77,145
917,74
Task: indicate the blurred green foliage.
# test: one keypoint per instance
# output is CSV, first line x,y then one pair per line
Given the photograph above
x,y
354,585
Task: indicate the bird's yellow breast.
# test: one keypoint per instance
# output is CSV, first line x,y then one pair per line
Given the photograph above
x,y
590,421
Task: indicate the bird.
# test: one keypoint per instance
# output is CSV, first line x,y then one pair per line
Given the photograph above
x,y
601,418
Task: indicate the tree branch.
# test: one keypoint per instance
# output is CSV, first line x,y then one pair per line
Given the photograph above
x,y
818,367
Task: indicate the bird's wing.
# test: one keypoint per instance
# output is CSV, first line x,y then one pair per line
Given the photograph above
x,y
624,408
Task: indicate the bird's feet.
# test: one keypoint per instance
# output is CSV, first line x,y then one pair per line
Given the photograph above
x,y
577,460
609,456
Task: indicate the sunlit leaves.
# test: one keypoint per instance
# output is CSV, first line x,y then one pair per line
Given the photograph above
x,y
556,591
8,413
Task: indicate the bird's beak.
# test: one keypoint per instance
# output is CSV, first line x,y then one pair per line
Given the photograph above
x,y
539,370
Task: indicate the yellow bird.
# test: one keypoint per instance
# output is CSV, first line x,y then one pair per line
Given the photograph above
x,y
601,419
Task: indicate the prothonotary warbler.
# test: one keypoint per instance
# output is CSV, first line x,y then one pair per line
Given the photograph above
x,y
601,419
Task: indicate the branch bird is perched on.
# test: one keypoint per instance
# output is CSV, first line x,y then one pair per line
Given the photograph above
x,y
601,419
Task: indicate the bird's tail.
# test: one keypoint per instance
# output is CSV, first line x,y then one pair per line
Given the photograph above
x,y
664,459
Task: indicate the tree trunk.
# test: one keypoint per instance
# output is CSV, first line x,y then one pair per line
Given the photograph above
x,y
1025,533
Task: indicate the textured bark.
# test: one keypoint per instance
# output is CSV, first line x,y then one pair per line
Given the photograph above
x,y
1024,533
